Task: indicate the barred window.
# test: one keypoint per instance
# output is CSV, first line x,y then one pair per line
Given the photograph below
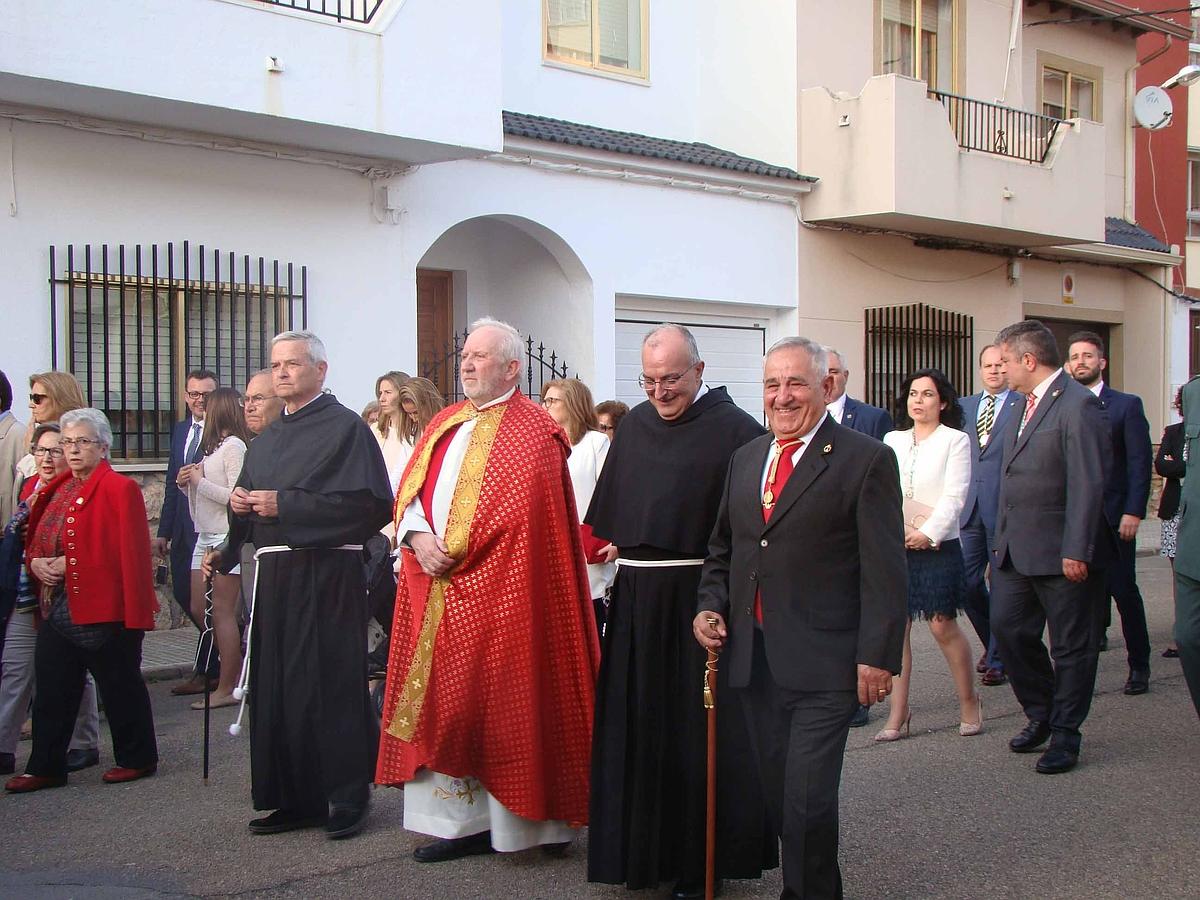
x,y
903,339
130,323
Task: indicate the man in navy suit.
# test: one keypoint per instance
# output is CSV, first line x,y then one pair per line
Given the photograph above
x,y
987,416
176,532
1126,494
850,412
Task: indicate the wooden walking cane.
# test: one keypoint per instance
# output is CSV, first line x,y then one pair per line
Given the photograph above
x,y
710,813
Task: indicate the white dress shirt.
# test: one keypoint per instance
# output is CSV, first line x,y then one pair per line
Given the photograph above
x,y
837,408
805,440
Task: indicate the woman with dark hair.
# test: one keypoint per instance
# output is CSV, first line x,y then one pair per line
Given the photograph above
x,y
610,413
935,470
1171,464
569,403
88,551
208,485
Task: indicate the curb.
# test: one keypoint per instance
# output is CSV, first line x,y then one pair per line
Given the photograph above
x,y
152,674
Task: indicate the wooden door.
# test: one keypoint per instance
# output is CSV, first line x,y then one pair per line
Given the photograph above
x,y
435,315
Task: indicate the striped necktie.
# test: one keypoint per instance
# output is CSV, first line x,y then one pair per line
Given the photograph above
x,y
983,427
1030,405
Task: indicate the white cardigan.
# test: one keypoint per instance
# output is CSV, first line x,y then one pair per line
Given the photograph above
x,y
585,462
938,476
208,500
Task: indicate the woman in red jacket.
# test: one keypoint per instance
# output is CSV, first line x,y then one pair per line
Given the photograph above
x,y
88,550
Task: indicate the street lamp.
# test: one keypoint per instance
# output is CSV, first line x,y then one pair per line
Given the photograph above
x,y
1184,77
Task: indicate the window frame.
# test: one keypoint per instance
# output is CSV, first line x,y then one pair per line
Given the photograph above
x,y
1193,176
1071,69
957,36
595,67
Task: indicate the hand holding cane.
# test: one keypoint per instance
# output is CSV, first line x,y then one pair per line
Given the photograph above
x,y
710,823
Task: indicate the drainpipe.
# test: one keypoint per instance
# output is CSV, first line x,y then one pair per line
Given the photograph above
x,y
1013,31
1131,128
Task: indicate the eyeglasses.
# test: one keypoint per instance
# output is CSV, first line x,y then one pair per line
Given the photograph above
x,y
667,381
608,427
254,400
197,395
81,443
38,399
548,402
52,452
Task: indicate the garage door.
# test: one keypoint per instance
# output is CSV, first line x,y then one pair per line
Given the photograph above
x,y
732,357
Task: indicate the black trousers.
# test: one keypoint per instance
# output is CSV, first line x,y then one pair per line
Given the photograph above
x,y
59,667
1022,607
1122,587
799,738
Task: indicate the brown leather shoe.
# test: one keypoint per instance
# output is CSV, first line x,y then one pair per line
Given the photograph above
x,y
993,677
27,784
121,774
981,665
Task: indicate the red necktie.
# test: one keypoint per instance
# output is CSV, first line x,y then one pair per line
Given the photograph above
x,y
777,476
1030,406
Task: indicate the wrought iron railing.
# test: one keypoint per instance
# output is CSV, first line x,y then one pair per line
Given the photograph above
x,y
130,322
342,10
1002,130
442,368
902,339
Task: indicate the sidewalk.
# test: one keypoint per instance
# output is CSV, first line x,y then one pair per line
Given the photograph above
x,y
167,655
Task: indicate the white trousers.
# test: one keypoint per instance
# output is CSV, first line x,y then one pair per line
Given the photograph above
x,y
17,686
446,807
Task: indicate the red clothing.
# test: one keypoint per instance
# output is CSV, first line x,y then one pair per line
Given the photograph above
x,y
510,691
106,541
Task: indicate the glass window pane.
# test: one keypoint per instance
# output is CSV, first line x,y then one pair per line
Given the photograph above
x,y
569,30
619,26
1054,91
896,31
1194,185
1082,98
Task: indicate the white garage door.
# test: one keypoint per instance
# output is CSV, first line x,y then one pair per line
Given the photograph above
x,y
732,357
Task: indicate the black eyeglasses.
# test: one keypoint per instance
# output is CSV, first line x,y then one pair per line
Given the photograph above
x,y
52,452
37,399
197,395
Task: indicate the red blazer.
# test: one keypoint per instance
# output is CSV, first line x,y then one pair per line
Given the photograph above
x,y
107,544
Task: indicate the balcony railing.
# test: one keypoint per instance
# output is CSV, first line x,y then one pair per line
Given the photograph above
x,y
992,128
342,10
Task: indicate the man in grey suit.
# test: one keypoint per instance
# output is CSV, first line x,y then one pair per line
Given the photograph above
x,y
1049,534
988,416
1187,551
805,579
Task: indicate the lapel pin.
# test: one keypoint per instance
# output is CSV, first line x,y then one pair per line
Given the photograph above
x,y
827,448
1056,393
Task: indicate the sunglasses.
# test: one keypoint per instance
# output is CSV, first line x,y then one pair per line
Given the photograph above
x,y
37,399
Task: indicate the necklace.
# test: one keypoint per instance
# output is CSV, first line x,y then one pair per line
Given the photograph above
x,y
912,465
777,450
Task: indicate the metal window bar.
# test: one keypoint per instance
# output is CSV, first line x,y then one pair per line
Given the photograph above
x,y
902,339
441,367
361,11
130,326
1001,130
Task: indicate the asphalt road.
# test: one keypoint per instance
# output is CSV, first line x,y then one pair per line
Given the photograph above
x,y
936,815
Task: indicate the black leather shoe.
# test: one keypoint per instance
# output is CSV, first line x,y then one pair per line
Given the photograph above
x,y
286,820
346,819
1031,737
82,759
8,763
1057,760
694,890
859,719
455,848
1139,682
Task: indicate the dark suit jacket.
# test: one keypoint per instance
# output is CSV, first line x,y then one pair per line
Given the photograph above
x,y
175,520
1172,470
831,563
1187,542
1127,490
866,419
984,489
1052,484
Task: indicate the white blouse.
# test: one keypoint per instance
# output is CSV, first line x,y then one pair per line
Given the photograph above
x,y
207,501
936,472
585,462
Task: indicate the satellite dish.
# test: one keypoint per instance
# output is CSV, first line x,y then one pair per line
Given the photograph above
x,y
1152,108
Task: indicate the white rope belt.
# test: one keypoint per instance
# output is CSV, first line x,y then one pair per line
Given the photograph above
x,y
658,563
243,686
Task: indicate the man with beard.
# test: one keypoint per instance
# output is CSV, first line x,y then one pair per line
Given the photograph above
x,y
1126,494
656,501
313,488
488,710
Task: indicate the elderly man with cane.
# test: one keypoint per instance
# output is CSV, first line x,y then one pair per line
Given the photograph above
x,y
804,592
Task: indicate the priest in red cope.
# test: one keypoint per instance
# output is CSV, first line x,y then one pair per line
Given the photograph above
x,y
488,712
